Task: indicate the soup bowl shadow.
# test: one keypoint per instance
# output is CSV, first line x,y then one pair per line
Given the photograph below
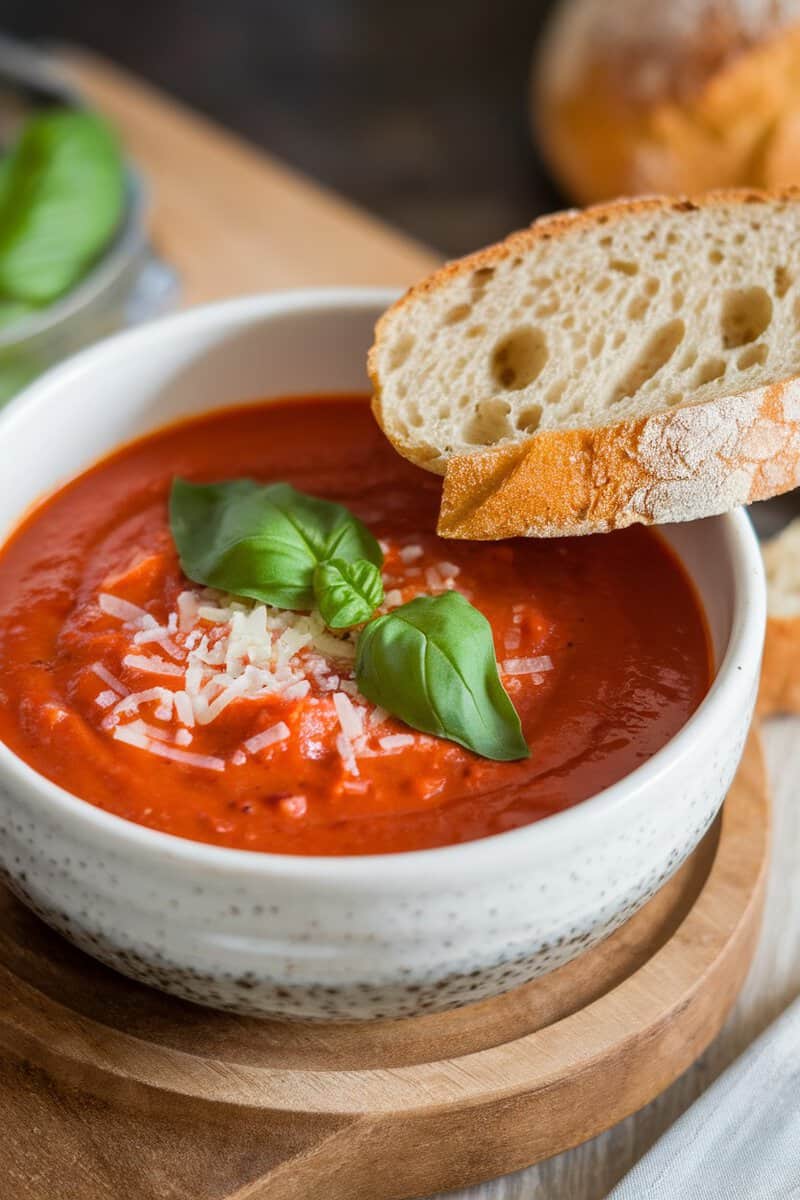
x,y
345,938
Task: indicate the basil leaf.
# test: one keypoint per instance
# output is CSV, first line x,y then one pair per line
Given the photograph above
x,y
5,175
347,593
62,197
431,663
262,541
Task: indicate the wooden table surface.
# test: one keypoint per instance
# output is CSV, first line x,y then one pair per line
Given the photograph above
x,y
232,221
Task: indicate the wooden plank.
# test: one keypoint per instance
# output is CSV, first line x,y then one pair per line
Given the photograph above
x,y
338,1112
230,219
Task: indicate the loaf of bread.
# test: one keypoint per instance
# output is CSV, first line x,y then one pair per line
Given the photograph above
x,y
780,676
672,96
637,362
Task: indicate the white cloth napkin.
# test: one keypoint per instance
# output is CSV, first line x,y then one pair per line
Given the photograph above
x,y
741,1139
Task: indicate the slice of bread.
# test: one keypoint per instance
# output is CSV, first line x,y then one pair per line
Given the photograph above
x,y
780,674
636,362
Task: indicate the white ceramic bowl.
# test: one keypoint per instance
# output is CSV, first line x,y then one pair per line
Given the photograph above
x,y
348,937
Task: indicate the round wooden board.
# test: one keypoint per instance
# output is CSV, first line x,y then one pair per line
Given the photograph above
x,y
234,1107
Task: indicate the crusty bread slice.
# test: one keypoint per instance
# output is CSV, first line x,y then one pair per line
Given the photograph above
x,y
635,362
780,674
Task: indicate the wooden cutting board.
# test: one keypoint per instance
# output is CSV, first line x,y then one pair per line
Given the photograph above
x,y
150,1098
108,1089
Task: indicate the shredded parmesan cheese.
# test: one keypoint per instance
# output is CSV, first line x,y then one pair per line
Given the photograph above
x,y
345,749
138,738
293,806
448,570
115,684
297,691
350,719
153,664
275,733
123,610
183,709
187,610
134,700
215,650
396,741
152,731
161,636
527,666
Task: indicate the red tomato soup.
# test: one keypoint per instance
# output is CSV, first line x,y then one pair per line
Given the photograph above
x,y
111,660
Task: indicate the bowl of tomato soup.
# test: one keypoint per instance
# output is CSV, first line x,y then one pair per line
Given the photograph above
x,y
194,785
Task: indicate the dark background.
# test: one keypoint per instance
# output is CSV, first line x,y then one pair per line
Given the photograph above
x,y
416,109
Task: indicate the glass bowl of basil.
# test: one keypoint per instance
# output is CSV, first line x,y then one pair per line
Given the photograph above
x,y
75,262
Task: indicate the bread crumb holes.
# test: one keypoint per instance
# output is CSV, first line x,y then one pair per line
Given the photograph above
x,y
746,313
519,358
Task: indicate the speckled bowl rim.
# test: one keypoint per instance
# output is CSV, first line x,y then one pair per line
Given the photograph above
x,y
442,864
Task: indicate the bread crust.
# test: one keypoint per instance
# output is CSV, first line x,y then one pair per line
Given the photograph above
x,y
673,465
780,673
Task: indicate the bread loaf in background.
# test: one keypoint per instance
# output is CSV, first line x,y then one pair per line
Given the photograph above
x,y
669,96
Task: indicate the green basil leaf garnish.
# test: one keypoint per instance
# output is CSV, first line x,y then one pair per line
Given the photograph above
x,y
347,593
263,541
62,196
431,663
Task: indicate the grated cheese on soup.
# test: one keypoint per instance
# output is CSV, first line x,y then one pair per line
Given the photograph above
x,y
215,650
